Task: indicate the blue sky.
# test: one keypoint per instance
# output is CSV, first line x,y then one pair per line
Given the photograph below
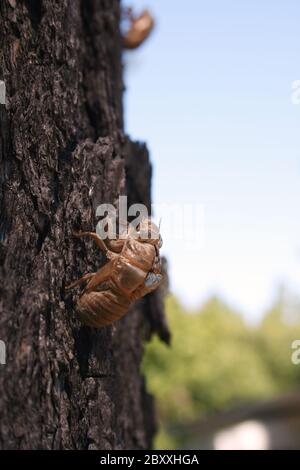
x,y
210,93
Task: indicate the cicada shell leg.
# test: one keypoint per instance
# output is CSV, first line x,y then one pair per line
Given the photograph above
x,y
99,242
100,276
80,281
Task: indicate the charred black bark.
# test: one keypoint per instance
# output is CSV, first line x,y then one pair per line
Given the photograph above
x,y
62,153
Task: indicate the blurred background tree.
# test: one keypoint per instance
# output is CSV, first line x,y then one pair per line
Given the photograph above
x,y
218,361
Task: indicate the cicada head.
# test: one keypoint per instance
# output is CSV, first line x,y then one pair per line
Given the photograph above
x,y
149,232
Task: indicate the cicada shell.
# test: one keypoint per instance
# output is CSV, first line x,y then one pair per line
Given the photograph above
x,y
132,271
140,29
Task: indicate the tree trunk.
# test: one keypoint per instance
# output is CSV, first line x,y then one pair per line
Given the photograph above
x,y
62,153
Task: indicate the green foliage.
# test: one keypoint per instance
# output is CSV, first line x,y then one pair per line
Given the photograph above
x,y
217,361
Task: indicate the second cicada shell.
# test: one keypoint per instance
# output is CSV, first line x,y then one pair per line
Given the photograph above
x,y
139,30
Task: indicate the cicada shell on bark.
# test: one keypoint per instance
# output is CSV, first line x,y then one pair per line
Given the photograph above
x,y
140,28
132,271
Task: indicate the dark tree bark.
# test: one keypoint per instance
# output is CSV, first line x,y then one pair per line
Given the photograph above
x,y
62,153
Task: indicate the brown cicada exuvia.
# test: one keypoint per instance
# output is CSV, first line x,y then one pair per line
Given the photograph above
x,y
132,271
139,30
